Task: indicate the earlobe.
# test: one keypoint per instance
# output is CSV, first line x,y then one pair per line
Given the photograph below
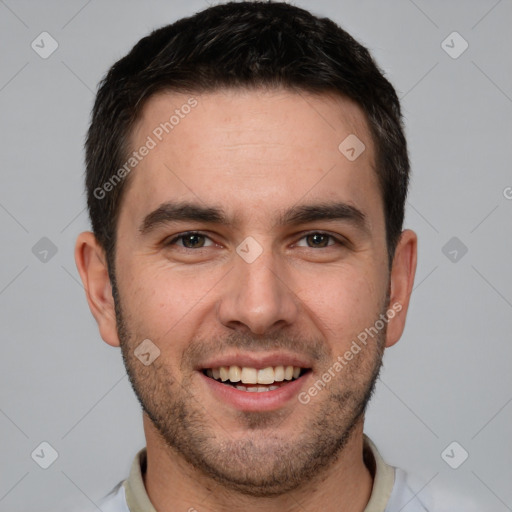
x,y
402,280
91,263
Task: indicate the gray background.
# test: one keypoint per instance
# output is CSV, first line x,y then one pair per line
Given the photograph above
x,y
449,377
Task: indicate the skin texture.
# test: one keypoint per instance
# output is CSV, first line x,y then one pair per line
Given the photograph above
x,y
254,154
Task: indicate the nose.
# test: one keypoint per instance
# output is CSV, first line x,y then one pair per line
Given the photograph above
x,y
258,296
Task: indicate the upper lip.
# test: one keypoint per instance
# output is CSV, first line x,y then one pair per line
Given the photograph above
x,y
255,360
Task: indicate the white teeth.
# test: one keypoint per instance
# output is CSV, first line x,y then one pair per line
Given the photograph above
x,y
241,388
249,375
235,373
266,375
224,373
258,389
279,374
246,375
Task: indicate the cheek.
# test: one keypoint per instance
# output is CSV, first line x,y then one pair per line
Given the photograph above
x,y
162,301
346,303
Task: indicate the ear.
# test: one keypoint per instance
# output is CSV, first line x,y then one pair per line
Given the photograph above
x,y
402,279
91,263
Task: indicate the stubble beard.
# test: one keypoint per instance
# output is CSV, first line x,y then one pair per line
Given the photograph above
x,y
265,463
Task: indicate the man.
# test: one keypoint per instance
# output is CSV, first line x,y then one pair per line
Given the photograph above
x,y
246,176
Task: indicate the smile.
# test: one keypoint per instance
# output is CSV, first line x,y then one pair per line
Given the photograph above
x,y
255,380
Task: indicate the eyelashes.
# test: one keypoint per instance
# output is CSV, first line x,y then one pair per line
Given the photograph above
x,y
198,234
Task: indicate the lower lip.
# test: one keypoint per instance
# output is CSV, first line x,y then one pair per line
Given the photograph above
x,y
257,400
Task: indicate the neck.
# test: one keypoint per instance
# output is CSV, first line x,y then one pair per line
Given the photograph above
x,y
174,485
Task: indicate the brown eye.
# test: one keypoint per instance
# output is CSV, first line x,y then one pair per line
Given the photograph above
x,y
319,240
193,241
190,240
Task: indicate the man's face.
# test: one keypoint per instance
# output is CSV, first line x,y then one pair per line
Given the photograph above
x,y
264,290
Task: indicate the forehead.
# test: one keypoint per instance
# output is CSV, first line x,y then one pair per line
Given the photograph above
x,y
251,152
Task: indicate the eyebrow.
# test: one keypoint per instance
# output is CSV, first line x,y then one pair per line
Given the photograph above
x,y
170,211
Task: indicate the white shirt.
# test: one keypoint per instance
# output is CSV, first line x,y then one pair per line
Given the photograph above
x,y
391,490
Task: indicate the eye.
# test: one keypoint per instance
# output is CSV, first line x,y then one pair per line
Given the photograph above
x,y
197,240
318,239
190,240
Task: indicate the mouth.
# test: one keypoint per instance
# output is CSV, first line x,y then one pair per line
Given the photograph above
x,y
256,380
